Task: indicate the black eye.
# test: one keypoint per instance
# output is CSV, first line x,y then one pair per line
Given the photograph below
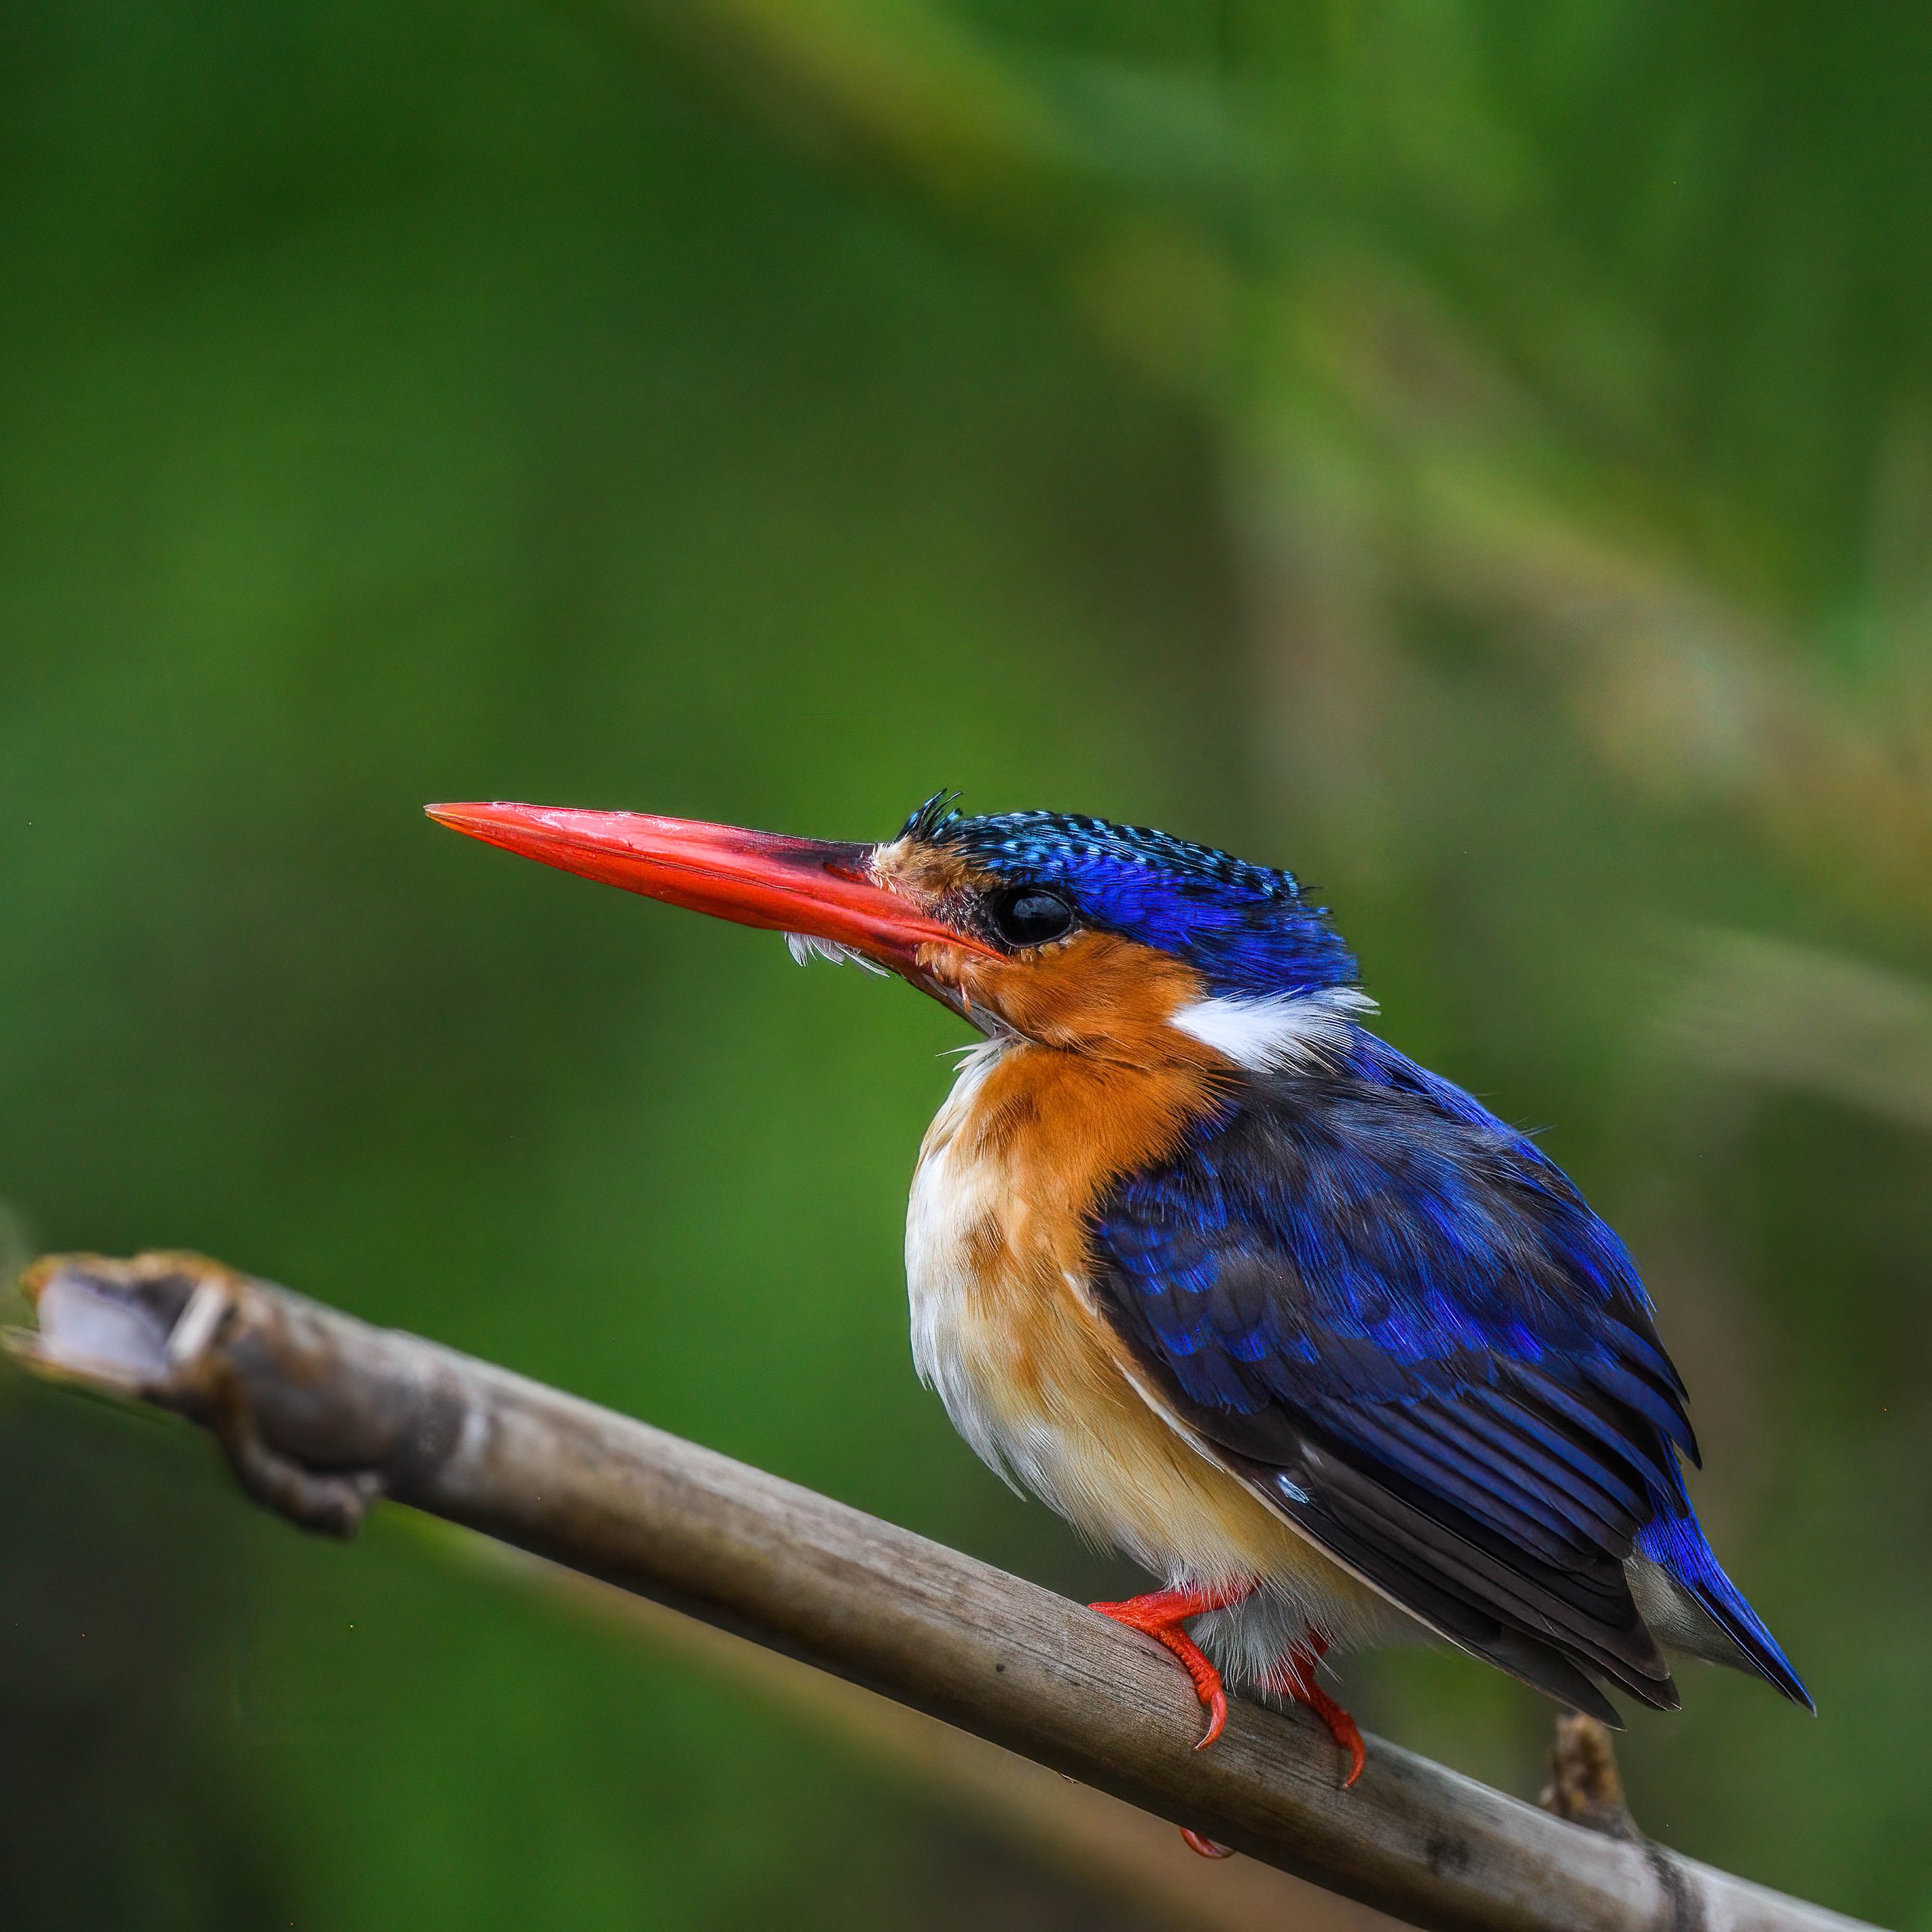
x,y
1029,915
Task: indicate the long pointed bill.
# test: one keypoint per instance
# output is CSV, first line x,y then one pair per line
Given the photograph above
x,y
810,886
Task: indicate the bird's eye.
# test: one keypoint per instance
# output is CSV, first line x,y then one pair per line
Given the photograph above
x,y
1029,915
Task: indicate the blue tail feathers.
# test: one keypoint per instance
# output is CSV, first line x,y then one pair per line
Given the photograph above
x,y
1676,1543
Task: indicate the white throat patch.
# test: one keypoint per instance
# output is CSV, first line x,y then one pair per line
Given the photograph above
x,y
1281,1029
806,946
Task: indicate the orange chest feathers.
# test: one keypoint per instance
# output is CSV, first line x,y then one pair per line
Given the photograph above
x,y
1026,1144
1004,1326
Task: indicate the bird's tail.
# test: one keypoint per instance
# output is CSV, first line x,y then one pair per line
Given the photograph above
x,y
1675,1544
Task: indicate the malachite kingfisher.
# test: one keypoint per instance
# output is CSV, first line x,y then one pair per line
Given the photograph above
x,y
1230,1283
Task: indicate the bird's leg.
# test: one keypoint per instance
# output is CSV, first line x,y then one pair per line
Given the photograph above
x,y
1160,1615
1292,1676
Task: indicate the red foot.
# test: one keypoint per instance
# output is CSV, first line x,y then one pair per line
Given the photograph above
x,y
1208,1848
1160,1615
1293,1677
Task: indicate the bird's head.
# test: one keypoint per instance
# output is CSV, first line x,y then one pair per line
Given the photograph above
x,y
1108,940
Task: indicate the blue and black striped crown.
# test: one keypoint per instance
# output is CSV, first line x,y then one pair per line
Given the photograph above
x,y
1248,929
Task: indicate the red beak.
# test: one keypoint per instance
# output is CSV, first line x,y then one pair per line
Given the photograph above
x,y
810,886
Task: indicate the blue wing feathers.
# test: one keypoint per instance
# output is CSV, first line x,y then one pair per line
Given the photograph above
x,y
1524,1518
1559,1457
1591,1518
1367,1291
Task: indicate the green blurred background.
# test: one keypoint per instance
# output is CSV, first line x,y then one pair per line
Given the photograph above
x,y
1480,456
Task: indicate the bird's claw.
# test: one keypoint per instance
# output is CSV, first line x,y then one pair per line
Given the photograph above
x,y
1346,1733
1216,1702
1293,1678
1204,1847
1160,1616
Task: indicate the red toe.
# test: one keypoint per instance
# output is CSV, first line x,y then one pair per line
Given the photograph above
x,y
1293,1676
1208,1848
1160,1615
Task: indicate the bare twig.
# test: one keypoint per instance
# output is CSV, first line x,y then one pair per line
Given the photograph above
x,y
1585,1786
326,1411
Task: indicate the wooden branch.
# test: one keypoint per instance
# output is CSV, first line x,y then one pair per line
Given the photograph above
x,y
319,1414
1111,1848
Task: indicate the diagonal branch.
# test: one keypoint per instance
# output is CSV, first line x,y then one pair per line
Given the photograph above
x,y
320,1413
1112,1850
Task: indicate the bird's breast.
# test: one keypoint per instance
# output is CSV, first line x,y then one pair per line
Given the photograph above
x,y
1004,1326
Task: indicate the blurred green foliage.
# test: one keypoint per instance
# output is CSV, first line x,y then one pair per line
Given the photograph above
x,y
1479,456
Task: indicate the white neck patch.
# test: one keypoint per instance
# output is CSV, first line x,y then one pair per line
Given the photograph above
x,y
1280,1030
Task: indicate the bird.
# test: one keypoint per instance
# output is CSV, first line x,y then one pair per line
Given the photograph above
x,y
1200,1260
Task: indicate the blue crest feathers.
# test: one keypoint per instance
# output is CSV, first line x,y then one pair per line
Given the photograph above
x,y
1247,929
